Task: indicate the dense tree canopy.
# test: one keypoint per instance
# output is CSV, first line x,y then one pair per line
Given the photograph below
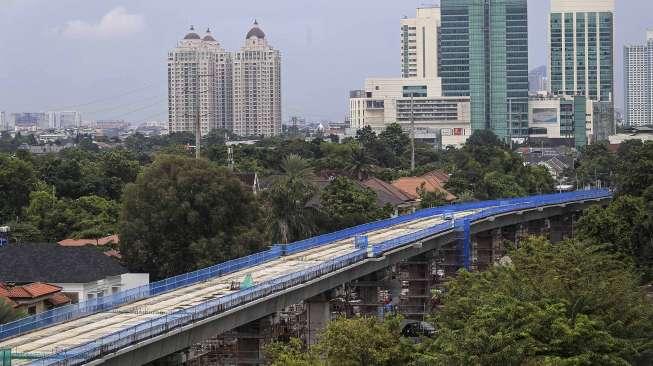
x,y
345,203
488,169
182,214
348,342
17,180
625,227
564,304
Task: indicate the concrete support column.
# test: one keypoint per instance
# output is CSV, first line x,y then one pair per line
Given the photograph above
x,y
561,228
498,248
318,314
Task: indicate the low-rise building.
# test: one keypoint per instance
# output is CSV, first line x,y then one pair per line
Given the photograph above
x,y
33,298
442,121
81,272
563,117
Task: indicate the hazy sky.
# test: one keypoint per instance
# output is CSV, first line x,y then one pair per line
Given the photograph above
x,y
107,58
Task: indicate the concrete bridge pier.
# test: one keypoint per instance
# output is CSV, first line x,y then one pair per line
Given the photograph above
x,y
561,227
318,315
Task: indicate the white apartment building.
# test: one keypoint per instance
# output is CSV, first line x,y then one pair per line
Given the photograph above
x,y
199,85
64,119
4,123
638,83
444,121
257,87
419,44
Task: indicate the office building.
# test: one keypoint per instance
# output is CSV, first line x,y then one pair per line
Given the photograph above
x,y
4,123
419,44
561,118
441,121
537,80
581,48
638,83
64,120
199,84
484,56
29,120
257,87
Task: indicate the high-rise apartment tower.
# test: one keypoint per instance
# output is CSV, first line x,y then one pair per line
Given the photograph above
x,y
419,44
638,83
257,87
199,85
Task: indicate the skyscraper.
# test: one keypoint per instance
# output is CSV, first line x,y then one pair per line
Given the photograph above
x,y
257,87
199,84
419,44
581,48
484,55
638,83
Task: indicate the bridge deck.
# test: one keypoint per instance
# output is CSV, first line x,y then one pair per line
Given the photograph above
x,y
79,331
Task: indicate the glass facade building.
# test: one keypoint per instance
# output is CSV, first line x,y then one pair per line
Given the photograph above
x,y
581,51
484,55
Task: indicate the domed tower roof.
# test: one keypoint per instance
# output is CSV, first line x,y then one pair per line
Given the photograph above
x,y
208,37
192,34
255,32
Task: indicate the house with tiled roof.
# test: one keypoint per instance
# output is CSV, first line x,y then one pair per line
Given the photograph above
x,y
387,194
430,182
33,298
82,273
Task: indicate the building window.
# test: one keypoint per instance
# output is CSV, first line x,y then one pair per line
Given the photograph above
x,y
31,310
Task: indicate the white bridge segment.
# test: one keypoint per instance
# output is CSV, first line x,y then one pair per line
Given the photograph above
x,y
79,331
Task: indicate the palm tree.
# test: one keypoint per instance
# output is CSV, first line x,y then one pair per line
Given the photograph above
x,y
361,164
290,219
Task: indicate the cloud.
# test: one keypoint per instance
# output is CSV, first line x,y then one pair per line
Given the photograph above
x,y
115,24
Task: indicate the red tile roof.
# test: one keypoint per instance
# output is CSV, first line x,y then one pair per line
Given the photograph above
x,y
387,193
440,175
412,185
59,299
30,291
82,242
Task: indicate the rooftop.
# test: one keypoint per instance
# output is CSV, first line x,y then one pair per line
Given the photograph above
x,y
52,263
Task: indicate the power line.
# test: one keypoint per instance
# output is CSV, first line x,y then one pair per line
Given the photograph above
x,y
100,100
138,109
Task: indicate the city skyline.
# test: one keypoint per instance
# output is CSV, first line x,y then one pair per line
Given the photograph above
x,y
108,56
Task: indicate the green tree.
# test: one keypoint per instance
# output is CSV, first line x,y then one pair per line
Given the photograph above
x,y
361,164
634,167
596,164
290,218
7,312
497,185
431,199
17,179
564,304
348,342
182,214
346,203
624,227
394,137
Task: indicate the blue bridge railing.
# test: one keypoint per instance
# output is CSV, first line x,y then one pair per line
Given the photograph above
x,y
176,319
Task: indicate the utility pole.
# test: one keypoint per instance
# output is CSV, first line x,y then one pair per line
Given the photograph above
x,y
412,132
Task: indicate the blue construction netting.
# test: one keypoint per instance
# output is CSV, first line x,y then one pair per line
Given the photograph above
x,y
89,307
152,328
491,208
